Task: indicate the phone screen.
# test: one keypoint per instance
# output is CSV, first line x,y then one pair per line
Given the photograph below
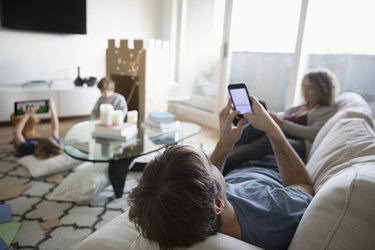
x,y
21,107
241,100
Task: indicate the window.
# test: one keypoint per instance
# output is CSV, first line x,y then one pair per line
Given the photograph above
x,y
339,36
263,38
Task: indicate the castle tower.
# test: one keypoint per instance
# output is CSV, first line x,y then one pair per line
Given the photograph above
x,y
142,68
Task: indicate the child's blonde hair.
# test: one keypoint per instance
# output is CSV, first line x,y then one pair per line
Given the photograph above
x,y
46,148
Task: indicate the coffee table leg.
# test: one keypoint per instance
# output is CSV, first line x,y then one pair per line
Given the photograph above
x,y
117,171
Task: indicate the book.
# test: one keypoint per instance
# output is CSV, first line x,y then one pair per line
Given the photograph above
x,y
125,131
162,116
160,125
161,129
119,130
114,136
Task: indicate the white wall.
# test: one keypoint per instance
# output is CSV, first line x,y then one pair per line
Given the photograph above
x,y
27,56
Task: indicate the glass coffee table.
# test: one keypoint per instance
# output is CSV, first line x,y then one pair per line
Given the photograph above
x,y
79,144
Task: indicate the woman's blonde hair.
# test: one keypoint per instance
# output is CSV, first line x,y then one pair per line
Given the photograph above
x,y
327,82
46,148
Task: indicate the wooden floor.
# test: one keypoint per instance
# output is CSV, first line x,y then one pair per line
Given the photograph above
x,y
207,136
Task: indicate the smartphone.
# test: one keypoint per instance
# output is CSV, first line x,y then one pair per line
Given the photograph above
x,y
21,107
240,98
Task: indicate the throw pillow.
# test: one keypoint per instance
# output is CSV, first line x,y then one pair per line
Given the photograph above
x,y
82,185
38,168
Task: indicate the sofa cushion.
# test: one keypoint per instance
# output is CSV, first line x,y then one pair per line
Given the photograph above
x,y
352,101
120,233
349,105
341,215
348,139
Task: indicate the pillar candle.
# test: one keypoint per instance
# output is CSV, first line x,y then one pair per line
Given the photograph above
x,y
132,116
106,111
117,117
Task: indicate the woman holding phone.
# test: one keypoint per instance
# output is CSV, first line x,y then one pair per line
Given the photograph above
x,y
300,124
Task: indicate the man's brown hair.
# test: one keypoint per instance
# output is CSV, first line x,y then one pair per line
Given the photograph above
x,y
173,203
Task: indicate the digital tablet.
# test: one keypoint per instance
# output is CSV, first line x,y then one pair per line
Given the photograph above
x,y
21,107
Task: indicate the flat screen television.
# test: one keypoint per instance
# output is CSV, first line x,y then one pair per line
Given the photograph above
x,y
58,16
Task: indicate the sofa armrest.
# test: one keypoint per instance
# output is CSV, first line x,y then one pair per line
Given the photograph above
x,y
120,233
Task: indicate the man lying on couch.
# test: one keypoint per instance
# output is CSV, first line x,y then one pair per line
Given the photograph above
x,y
182,197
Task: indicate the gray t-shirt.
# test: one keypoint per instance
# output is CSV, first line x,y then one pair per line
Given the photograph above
x,y
268,212
117,100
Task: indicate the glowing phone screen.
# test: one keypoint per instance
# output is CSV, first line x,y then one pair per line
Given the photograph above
x,y
241,100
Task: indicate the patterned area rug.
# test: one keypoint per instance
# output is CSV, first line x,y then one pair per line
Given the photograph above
x,y
32,207
77,220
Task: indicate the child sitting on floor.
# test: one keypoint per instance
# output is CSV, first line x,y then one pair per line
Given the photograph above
x,y
107,87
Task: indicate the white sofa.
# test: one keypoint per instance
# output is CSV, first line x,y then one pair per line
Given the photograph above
x,y
340,216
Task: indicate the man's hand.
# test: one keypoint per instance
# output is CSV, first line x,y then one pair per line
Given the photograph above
x,y
260,119
229,134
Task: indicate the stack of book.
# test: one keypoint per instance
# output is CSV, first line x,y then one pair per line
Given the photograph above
x,y
125,131
161,121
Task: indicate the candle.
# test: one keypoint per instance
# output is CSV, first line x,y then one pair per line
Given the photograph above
x,y
117,117
106,111
132,116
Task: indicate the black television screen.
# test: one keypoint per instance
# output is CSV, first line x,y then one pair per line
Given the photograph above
x,y
60,16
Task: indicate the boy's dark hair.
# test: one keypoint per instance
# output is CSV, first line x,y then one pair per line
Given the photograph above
x,y
173,203
106,83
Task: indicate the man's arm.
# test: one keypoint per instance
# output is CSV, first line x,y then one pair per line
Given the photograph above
x,y
55,126
229,135
291,167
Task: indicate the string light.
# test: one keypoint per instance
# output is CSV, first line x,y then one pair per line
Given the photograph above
x,y
133,65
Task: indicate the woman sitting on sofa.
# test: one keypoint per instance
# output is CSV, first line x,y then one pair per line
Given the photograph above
x,y
300,124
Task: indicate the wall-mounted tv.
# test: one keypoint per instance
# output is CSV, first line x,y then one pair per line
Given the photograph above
x,y
60,16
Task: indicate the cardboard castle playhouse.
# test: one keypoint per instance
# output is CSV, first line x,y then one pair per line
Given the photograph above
x,y
141,73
